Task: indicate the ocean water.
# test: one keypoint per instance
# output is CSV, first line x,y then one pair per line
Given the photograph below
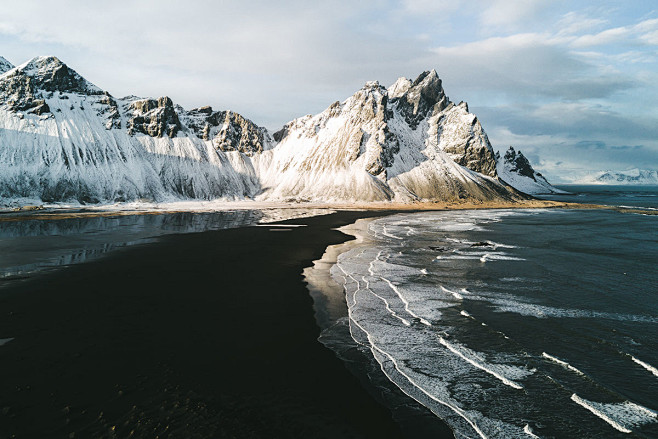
x,y
29,245
514,323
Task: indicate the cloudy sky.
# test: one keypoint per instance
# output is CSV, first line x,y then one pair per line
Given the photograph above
x,y
572,84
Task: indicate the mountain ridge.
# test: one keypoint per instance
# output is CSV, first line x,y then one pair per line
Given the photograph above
x,y
515,169
62,138
634,176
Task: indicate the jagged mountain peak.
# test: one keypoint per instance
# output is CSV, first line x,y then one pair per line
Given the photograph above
x,y
421,98
515,169
5,65
399,87
49,73
428,76
519,163
406,143
372,85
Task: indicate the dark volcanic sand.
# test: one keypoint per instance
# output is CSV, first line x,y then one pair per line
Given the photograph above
x,y
201,335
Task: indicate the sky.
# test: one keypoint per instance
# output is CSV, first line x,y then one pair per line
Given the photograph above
x,y
572,84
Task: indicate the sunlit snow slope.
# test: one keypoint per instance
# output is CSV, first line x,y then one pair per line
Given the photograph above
x,y
64,139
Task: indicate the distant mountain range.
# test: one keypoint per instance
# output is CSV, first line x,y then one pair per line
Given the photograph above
x,y
64,139
628,177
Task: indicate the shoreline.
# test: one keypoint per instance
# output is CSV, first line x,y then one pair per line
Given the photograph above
x,y
206,334
50,212
331,313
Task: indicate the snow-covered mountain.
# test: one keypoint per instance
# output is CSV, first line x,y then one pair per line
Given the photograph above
x,y
405,143
515,169
628,177
5,65
64,139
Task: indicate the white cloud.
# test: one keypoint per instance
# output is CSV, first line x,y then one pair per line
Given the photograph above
x,y
547,73
429,6
576,23
645,31
511,13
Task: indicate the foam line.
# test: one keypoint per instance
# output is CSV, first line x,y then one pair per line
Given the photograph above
x,y
527,430
562,363
455,294
647,366
374,347
385,233
388,308
370,266
406,303
580,401
456,351
367,282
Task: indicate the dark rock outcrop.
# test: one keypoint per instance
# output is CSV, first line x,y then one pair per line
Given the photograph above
x,y
239,134
227,130
518,163
153,117
5,65
425,96
110,109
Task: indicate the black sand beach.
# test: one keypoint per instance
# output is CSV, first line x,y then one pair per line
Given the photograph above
x,y
200,335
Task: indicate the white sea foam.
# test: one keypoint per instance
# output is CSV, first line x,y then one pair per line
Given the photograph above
x,y
647,366
379,351
527,430
622,416
455,294
384,286
638,207
405,301
388,307
390,235
562,363
499,257
500,245
477,361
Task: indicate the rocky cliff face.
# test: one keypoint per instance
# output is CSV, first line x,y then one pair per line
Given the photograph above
x,y
228,131
62,138
404,143
515,169
153,117
415,100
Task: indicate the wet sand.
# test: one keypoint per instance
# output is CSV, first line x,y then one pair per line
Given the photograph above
x,y
204,335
